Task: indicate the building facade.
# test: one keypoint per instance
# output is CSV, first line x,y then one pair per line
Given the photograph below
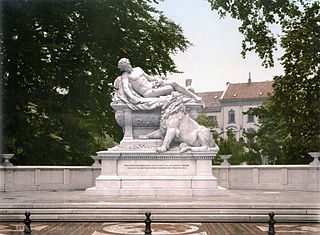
x,y
212,104
228,106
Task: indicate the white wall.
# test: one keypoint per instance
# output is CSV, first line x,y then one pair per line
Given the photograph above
x,y
241,120
266,177
269,177
22,178
245,124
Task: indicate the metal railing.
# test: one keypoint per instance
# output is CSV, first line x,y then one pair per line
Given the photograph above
x,y
147,221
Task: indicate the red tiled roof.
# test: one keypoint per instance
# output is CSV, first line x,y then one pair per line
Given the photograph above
x,y
211,99
248,90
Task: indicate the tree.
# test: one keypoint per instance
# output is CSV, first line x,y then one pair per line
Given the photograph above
x,y
208,122
59,64
230,145
253,150
289,121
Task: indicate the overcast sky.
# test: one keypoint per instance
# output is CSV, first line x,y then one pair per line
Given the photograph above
x,y
215,57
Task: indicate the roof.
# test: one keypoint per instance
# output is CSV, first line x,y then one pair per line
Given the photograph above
x,y
211,99
252,90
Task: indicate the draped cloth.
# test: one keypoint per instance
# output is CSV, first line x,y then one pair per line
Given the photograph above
x,y
145,104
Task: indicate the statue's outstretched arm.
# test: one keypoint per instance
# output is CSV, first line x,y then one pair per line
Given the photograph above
x,y
150,78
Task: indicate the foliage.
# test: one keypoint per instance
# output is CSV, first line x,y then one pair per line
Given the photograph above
x,y
230,145
225,145
289,120
103,142
253,153
208,122
59,63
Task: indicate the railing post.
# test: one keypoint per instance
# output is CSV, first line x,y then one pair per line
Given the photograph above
x,y
271,223
148,224
27,222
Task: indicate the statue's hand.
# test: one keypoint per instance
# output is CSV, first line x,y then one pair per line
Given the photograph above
x,y
135,100
160,81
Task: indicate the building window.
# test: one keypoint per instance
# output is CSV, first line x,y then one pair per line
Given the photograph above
x,y
231,116
250,118
213,117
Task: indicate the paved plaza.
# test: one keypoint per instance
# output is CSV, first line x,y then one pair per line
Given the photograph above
x,y
233,197
105,215
157,228
237,206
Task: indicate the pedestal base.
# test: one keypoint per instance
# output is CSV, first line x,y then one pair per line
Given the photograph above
x,y
219,191
148,173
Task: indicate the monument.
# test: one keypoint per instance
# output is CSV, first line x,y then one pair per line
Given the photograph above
x,y
164,150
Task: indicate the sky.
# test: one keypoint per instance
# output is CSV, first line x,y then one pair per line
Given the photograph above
x,y
214,58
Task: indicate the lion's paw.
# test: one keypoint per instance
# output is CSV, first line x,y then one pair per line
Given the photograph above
x,y
184,147
161,149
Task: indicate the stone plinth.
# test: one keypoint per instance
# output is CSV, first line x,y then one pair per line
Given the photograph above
x,y
142,122
140,172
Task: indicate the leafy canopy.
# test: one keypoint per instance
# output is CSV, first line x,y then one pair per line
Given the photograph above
x,y
289,121
228,145
59,64
208,122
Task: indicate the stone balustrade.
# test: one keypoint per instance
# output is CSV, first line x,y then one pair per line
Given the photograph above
x,y
38,178
269,177
264,177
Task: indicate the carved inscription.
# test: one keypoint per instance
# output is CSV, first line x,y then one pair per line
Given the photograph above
x,y
157,166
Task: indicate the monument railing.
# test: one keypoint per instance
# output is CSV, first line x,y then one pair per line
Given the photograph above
x,y
40,178
269,177
266,177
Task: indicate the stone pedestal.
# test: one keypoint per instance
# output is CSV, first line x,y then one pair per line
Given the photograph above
x,y
142,122
137,172
315,161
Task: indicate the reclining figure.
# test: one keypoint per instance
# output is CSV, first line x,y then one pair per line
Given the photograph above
x,y
143,92
135,87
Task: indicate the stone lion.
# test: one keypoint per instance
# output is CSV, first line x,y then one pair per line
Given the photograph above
x,y
176,125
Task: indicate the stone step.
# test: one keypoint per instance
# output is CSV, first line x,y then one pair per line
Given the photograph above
x,y
174,212
161,217
302,211
158,205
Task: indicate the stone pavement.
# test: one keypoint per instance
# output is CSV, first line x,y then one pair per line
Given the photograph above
x,y
157,228
234,197
237,206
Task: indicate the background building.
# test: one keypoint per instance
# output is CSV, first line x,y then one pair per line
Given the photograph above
x,y
228,106
212,104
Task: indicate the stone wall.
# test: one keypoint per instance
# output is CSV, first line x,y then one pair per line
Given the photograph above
x,y
23,178
267,177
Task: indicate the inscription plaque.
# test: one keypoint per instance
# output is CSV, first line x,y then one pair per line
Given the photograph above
x,y
157,166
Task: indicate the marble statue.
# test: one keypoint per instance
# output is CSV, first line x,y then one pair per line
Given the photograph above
x,y
164,151
139,91
135,87
176,125
147,86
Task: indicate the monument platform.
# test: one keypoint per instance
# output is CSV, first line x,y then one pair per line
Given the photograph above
x,y
237,206
134,168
